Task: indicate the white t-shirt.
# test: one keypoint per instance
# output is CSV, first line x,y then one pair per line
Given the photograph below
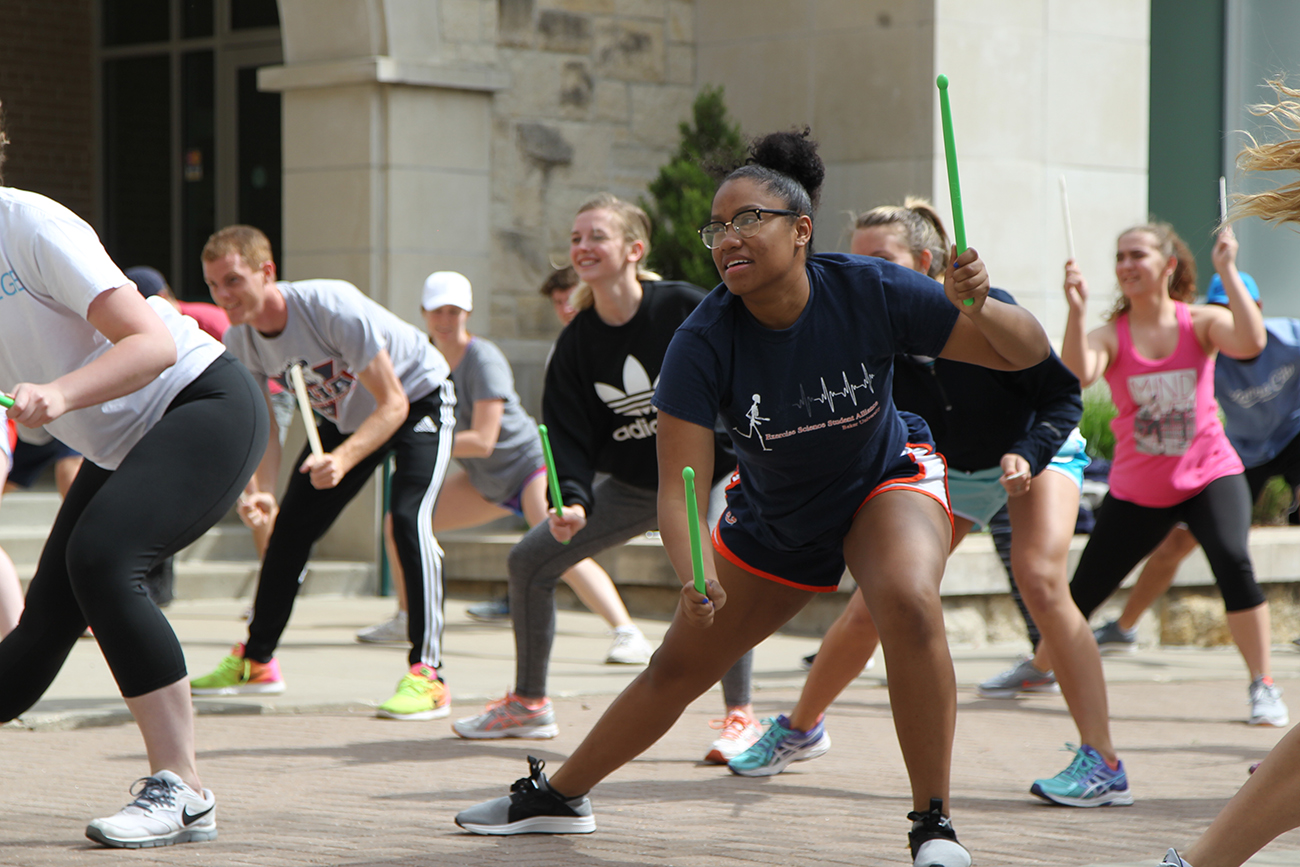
x,y
335,331
52,266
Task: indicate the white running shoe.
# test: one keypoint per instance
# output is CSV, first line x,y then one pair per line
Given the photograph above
x,y
739,733
392,631
1266,705
630,647
165,811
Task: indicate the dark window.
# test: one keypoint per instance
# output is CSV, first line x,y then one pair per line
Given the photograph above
x,y
259,158
197,18
248,14
137,161
131,22
198,170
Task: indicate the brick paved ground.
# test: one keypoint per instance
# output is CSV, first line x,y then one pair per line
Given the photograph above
x,y
344,788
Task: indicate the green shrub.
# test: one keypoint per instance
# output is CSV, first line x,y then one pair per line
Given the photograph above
x,y
682,193
1098,410
1273,504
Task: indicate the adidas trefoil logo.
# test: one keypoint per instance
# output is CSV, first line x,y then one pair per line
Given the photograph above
x,y
636,401
633,400
425,425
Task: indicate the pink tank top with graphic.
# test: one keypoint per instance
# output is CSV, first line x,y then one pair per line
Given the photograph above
x,y
1169,443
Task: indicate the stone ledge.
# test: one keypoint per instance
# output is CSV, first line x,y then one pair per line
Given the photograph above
x,y
380,69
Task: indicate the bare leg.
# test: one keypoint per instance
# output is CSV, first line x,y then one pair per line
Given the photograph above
x,y
66,469
11,595
11,591
689,661
166,720
896,550
1268,805
395,572
846,649
1042,522
1156,576
1253,636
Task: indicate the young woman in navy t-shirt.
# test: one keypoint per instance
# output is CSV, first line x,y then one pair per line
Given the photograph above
x,y
795,354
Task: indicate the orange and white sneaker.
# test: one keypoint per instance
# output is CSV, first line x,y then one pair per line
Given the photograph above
x,y
739,732
510,717
235,675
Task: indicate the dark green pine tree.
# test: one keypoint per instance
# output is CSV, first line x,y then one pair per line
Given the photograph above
x,y
682,193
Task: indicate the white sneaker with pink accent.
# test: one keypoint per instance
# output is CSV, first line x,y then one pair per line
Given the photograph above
x,y
739,732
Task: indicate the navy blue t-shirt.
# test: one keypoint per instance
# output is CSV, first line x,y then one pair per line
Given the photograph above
x,y
809,407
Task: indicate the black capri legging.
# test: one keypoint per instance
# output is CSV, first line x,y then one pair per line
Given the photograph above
x,y
1219,517
177,481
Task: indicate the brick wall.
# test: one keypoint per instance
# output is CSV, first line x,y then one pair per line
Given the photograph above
x,y
46,85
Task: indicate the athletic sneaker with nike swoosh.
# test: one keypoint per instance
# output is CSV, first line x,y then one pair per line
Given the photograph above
x,y
165,811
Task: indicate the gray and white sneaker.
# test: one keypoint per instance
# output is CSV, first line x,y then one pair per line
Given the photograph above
x,y
491,611
1022,677
630,647
165,811
1111,638
532,807
394,630
1173,859
1266,705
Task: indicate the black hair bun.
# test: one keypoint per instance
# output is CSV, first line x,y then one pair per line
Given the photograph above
x,y
793,154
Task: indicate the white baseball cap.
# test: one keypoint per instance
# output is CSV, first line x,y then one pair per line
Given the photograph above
x,y
447,287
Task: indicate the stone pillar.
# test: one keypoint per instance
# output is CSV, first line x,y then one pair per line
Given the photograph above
x,y
1038,89
387,133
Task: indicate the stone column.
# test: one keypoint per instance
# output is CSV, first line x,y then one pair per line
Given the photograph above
x,y
386,131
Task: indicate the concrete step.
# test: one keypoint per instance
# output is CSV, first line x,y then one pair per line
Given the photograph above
x,y
29,508
237,579
222,542
23,542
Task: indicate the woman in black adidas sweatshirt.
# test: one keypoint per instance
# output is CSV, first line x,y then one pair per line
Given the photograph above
x,y
596,406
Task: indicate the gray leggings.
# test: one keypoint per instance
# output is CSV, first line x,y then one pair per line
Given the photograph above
x,y
620,512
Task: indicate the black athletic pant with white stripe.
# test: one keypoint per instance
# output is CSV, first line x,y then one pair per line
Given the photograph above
x,y
422,446
179,479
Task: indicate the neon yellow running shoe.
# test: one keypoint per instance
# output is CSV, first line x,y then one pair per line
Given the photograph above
x,y
421,695
235,675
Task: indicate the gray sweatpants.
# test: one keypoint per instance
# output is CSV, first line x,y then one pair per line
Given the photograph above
x,y
620,512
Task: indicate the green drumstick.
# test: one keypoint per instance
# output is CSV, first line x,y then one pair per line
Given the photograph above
x,y
954,184
693,522
6,401
556,499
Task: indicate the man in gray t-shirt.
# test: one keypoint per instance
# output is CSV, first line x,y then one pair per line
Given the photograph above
x,y
379,388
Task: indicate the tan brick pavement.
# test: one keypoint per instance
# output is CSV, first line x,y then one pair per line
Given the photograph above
x,y
345,788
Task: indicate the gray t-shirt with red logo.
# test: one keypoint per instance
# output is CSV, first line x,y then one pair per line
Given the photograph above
x,y
335,331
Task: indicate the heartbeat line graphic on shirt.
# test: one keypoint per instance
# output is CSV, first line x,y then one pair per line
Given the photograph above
x,y
828,396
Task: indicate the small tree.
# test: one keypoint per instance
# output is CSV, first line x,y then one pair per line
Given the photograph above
x,y
682,193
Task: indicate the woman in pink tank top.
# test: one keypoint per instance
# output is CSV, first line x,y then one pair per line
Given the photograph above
x,y
1173,461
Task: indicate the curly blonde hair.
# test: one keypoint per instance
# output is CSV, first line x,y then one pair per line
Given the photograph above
x,y
1280,205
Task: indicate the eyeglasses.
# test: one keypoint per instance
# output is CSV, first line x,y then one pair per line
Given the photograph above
x,y
746,224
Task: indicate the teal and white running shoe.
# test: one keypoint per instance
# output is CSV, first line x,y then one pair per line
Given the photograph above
x,y
779,746
1087,782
